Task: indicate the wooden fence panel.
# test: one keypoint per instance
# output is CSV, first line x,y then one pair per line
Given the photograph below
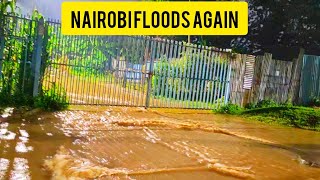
x,y
237,79
310,78
278,81
255,89
271,79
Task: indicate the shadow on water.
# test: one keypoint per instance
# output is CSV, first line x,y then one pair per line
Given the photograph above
x,y
309,154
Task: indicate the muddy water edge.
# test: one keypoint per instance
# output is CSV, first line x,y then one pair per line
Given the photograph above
x,y
134,143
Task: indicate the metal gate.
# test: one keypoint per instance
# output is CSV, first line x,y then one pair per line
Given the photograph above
x,y
310,78
135,71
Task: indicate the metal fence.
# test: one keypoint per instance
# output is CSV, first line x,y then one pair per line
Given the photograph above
x,y
136,71
111,70
310,78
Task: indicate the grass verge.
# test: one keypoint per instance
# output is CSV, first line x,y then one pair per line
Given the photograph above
x,y
287,115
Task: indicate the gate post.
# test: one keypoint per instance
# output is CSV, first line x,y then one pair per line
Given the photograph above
x,y
150,74
293,94
228,88
37,58
2,43
149,79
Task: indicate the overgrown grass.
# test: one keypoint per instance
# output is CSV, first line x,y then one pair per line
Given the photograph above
x,y
230,109
53,99
285,114
50,100
16,99
300,117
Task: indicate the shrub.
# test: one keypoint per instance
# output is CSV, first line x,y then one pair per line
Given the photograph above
x,y
16,98
53,99
250,106
230,109
315,102
265,104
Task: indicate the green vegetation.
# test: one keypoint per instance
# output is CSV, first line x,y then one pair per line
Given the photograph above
x,y
231,109
301,117
315,102
188,76
52,100
270,112
15,75
17,50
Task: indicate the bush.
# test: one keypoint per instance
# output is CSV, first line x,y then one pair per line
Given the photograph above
x,y
315,102
250,106
230,109
52,99
18,98
266,104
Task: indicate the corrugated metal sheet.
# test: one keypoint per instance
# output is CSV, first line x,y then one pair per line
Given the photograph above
x,y
249,70
310,78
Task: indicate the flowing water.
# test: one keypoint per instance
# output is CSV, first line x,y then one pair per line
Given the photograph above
x,y
133,143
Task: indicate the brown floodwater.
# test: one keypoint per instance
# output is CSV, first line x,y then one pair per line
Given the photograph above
x,y
134,143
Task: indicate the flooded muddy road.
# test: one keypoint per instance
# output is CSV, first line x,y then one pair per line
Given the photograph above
x,y
133,143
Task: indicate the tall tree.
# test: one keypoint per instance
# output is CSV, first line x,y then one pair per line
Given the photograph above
x,y
274,25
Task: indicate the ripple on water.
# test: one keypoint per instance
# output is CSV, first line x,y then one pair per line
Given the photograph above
x,y
112,130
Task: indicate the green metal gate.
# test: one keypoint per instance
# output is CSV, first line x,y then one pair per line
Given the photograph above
x,y
310,78
136,71
110,70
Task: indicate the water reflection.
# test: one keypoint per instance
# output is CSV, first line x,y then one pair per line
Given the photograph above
x,y
7,112
20,169
7,135
4,164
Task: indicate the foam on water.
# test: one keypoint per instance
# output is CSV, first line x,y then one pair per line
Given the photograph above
x,y
66,166
113,130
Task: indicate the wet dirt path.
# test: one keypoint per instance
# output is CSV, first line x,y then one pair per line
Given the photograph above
x,y
132,143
